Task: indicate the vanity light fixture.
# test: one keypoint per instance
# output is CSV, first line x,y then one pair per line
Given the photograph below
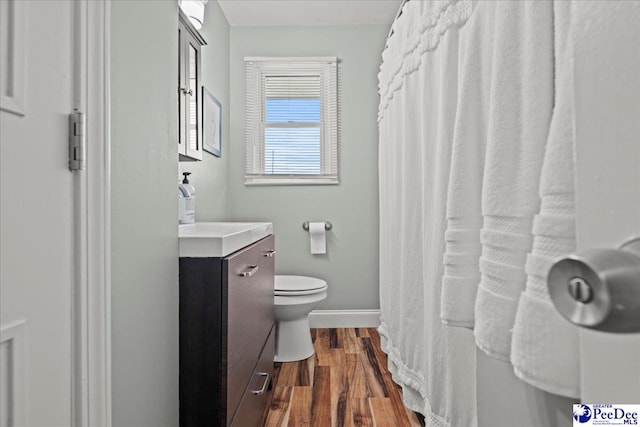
x,y
194,9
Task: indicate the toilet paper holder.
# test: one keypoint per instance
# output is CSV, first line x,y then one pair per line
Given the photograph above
x,y
327,225
599,288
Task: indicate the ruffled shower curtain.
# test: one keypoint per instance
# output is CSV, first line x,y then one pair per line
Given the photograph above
x,y
476,198
418,87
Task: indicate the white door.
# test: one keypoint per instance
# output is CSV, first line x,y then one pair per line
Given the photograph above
x,y
36,213
607,126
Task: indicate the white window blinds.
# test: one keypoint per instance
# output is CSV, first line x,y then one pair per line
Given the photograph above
x,y
291,121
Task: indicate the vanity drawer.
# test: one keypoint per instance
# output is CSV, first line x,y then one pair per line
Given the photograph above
x,y
257,393
249,313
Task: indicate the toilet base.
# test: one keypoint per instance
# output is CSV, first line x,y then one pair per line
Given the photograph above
x,y
293,340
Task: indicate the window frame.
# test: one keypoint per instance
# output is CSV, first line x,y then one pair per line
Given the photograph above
x,y
257,70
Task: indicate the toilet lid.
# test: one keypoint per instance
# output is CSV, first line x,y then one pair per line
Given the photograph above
x,y
298,283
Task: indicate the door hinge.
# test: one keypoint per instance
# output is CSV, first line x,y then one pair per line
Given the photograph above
x,y
77,140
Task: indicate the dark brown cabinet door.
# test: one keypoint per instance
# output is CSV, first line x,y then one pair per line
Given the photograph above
x,y
250,318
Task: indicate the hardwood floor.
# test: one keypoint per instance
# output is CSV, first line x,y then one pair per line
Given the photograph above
x,y
346,383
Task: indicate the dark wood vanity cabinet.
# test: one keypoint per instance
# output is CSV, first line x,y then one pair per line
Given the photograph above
x,y
227,336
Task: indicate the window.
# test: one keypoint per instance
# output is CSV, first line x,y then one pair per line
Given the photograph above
x,y
291,121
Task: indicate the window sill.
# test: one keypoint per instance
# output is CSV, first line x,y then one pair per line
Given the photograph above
x,y
254,181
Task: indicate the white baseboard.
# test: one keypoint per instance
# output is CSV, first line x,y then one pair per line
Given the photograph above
x,y
344,318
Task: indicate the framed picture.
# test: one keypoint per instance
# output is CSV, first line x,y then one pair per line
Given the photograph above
x,y
211,123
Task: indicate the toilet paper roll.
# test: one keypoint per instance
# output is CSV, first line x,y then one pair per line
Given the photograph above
x,y
317,238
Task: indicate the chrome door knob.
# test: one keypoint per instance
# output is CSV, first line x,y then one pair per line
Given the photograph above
x,y
599,288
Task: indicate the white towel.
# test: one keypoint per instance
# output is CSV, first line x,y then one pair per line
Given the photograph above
x,y
464,209
519,116
538,326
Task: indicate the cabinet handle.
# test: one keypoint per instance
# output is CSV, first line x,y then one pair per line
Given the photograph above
x,y
270,254
264,385
249,273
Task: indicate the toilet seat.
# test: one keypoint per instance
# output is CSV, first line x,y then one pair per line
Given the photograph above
x,y
298,285
299,293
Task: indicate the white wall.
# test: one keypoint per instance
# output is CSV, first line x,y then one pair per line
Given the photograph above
x,y
144,171
144,292
351,264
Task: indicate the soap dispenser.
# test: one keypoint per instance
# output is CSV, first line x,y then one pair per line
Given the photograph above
x,y
181,215
189,193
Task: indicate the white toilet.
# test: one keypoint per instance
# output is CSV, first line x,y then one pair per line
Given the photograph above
x,y
295,297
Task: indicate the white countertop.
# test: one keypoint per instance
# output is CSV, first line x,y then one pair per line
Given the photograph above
x,y
219,239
